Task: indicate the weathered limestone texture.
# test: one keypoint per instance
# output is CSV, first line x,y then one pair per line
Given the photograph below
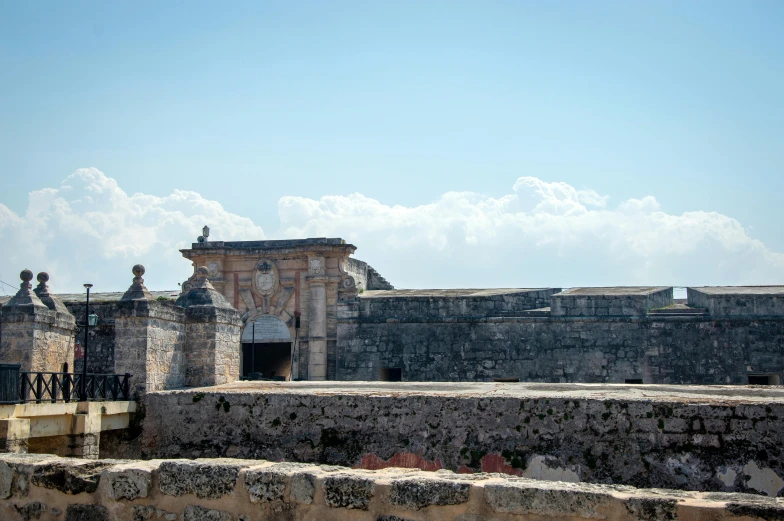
x,y
739,301
150,339
212,352
685,437
37,330
45,487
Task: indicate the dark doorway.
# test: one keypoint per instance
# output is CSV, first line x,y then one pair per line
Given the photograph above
x,y
391,374
268,360
764,379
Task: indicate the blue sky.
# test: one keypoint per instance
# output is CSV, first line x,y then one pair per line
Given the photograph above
x,y
401,102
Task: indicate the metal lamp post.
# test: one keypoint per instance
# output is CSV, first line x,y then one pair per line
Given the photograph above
x,y
90,320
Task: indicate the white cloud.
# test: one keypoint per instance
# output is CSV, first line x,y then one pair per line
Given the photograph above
x,y
539,234
90,230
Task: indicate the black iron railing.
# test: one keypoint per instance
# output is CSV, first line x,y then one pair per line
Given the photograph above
x,y
47,387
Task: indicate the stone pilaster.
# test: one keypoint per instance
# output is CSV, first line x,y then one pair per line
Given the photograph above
x,y
317,329
37,331
149,340
212,347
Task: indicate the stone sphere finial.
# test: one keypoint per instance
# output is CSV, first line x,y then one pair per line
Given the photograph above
x,y
202,272
138,270
43,277
26,275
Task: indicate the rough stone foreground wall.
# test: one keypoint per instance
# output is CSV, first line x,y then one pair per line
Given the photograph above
x,y
694,446
33,488
680,350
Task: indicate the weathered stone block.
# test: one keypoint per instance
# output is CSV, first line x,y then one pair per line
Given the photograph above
x,y
303,488
198,513
204,480
128,481
414,494
652,508
86,513
69,478
530,497
348,491
265,485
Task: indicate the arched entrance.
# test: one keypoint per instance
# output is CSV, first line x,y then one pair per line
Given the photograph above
x,y
266,349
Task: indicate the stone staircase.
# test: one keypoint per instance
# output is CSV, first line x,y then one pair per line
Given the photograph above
x,y
376,281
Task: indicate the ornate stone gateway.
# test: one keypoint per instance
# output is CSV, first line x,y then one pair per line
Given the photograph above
x,y
289,291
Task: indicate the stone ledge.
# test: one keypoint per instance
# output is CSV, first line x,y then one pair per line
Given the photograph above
x,y
234,490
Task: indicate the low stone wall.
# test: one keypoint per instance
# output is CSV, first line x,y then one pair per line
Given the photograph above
x,y
47,487
694,438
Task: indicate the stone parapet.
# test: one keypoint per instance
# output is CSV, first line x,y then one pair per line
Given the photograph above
x,y
720,438
739,301
450,303
610,302
241,490
163,310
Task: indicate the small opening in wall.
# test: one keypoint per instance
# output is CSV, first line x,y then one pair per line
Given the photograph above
x,y
391,374
764,379
634,380
510,379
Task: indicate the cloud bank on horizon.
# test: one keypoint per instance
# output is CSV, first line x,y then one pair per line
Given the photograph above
x,y
90,230
540,234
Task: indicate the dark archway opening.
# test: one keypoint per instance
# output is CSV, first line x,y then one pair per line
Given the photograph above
x,y
266,360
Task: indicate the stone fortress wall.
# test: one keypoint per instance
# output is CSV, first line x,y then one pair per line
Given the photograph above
x,y
354,326
720,335
578,335
48,487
